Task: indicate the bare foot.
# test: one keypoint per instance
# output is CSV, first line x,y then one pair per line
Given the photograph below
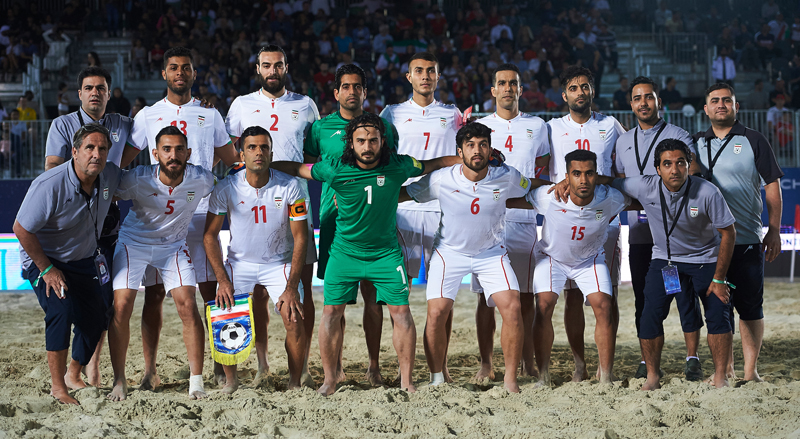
x,y
580,374
229,388
544,379
528,370
327,389
63,397
219,374
721,383
409,389
74,383
751,377
150,382
120,391
199,394
731,376
260,375
512,387
599,376
374,377
653,384
307,381
446,373
485,373
93,376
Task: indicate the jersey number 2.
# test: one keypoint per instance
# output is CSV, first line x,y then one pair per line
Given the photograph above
x,y
274,126
181,124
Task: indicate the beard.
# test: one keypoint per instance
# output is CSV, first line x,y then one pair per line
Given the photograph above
x,y
375,158
476,168
180,90
587,104
172,175
273,89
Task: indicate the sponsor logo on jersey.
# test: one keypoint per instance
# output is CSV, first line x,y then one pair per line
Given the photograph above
x,y
105,193
523,182
241,202
693,211
201,121
295,114
562,210
737,148
256,111
190,196
496,194
279,202
337,132
381,180
443,122
530,133
159,119
602,134
565,134
154,194
598,216
115,136
408,120
455,191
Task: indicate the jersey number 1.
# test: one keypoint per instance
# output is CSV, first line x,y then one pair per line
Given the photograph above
x,y
368,189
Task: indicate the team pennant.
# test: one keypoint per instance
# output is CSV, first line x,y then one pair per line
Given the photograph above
x,y
230,332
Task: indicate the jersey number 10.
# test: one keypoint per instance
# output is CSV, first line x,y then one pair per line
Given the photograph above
x,y
583,144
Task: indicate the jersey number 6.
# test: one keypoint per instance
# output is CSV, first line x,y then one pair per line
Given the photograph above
x,y
475,207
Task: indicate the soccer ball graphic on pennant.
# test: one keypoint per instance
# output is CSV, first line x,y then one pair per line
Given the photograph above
x,y
233,335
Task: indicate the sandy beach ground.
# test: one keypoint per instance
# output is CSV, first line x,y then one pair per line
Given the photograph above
x,y
585,410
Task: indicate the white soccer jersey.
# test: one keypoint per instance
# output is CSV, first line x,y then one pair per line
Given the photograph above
x,y
473,213
287,119
259,218
572,234
204,129
599,135
521,140
424,133
161,214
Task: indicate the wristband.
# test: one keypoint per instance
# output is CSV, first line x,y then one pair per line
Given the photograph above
x,y
41,275
725,282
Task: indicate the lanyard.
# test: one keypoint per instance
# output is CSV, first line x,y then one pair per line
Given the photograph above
x,y
80,119
97,209
636,147
713,162
677,216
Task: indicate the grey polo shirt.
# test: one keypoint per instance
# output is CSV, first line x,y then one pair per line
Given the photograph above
x,y
59,138
626,163
695,239
746,163
55,209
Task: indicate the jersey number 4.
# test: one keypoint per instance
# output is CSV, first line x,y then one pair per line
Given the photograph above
x,y
509,144
577,233
583,144
181,124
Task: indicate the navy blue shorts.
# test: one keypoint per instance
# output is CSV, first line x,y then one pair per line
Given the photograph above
x,y
639,256
746,272
82,311
107,244
695,279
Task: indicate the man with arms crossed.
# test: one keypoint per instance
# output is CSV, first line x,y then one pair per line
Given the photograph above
x,y
571,249
470,240
58,226
584,129
366,181
325,142
267,213
288,117
737,159
634,150
165,197
426,129
209,142
523,140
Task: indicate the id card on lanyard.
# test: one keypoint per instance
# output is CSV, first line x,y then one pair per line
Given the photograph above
x,y
100,263
672,282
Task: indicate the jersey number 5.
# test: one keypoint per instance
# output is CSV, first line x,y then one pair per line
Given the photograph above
x,y
170,208
181,124
577,233
583,144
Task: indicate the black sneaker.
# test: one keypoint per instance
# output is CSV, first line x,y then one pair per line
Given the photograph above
x,y
641,372
693,370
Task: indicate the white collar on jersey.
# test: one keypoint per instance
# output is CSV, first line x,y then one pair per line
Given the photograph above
x,y
261,95
569,119
432,104
497,116
188,104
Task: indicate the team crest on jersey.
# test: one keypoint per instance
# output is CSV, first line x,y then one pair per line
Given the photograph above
x,y
381,180
530,134
190,196
201,121
279,202
693,211
496,194
443,122
598,216
737,148
105,193
115,136
295,114
602,134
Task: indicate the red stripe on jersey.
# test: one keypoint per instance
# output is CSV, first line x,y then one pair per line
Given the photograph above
x,y
233,315
441,289
594,265
284,273
504,270
178,267
128,269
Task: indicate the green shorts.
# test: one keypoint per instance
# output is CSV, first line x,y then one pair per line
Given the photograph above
x,y
385,269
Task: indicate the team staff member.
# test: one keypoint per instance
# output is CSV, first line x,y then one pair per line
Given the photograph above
x,y
737,159
94,84
634,149
58,226
325,141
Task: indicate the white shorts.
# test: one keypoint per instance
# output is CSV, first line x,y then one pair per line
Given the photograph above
x,y
272,276
520,239
415,232
590,276
613,257
448,268
194,240
171,261
311,252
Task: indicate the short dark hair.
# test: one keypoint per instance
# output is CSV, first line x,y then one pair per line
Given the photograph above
x,y
271,48
580,155
89,72
170,130
254,130
720,86
350,69
573,72
366,119
470,130
177,52
503,68
641,80
671,145
84,132
426,56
